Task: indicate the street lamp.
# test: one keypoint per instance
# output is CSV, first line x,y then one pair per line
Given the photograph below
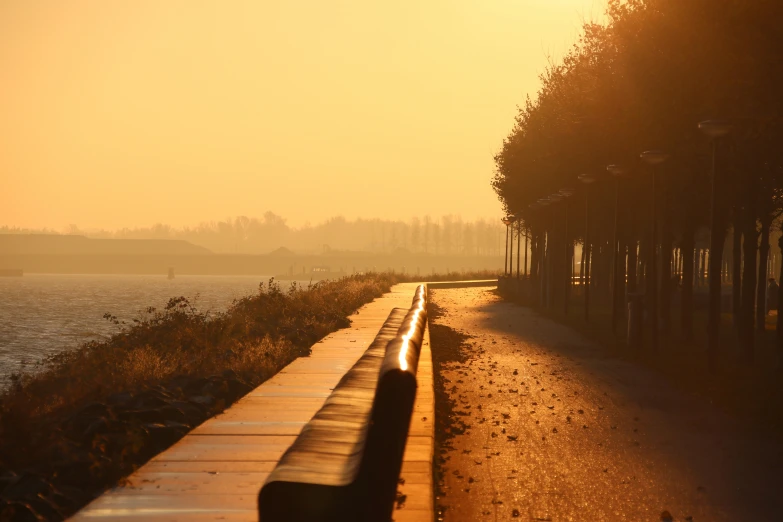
x,y
512,220
519,243
506,221
541,272
568,250
617,171
587,179
714,129
551,200
653,158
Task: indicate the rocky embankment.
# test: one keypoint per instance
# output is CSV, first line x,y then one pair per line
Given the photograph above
x,y
105,441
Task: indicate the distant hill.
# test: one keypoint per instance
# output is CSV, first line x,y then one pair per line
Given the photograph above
x,y
282,252
52,244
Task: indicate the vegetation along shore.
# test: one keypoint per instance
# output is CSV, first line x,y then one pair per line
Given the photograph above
x,y
85,419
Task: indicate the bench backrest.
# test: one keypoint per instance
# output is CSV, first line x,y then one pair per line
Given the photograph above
x,y
345,463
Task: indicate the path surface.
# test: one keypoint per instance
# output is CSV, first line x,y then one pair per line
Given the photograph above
x,y
545,427
216,471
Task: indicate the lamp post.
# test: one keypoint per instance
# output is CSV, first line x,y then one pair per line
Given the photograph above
x,y
554,198
527,238
542,248
519,241
568,252
617,171
511,250
715,130
587,180
653,158
506,222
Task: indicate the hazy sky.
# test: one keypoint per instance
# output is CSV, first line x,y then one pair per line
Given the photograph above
x,y
123,113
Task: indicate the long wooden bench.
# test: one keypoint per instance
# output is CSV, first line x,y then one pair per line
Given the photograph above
x,y
346,462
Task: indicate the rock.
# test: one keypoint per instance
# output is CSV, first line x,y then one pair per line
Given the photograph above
x,y
143,416
203,400
25,486
148,399
195,386
6,477
85,416
178,426
76,473
18,512
98,426
63,503
194,413
237,389
44,509
215,387
76,495
179,383
120,399
171,413
161,436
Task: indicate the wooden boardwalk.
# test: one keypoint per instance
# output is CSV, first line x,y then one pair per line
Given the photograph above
x,y
216,471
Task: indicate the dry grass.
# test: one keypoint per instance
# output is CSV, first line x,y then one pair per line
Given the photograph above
x,y
69,423
253,338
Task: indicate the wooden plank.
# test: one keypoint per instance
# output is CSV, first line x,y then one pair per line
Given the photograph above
x,y
419,449
200,483
215,468
215,472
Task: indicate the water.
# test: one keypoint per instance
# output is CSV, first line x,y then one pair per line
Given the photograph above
x,y
45,314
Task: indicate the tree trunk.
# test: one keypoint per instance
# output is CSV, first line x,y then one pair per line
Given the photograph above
x,y
535,245
632,262
686,298
589,267
702,263
779,331
761,286
750,249
622,279
736,271
717,240
665,304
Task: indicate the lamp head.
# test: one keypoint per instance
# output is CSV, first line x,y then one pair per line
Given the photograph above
x,y
586,179
654,157
616,170
715,128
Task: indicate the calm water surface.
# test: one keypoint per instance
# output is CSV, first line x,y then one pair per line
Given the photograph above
x,y
44,314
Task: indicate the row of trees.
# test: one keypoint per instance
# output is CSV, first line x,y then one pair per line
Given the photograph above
x,y
449,235
643,82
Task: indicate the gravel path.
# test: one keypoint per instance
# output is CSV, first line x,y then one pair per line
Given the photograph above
x,y
536,423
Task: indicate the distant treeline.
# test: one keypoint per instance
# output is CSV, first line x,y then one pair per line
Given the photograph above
x,y
448,235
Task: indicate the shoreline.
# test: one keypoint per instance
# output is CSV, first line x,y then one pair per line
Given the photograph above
x,y
93,415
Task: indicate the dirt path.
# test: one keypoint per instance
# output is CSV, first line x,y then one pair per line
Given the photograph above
x,y
535,423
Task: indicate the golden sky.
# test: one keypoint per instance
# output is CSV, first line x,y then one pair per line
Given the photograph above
x,y
124,113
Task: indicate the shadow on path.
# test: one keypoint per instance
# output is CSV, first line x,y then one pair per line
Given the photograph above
x,y
536,423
